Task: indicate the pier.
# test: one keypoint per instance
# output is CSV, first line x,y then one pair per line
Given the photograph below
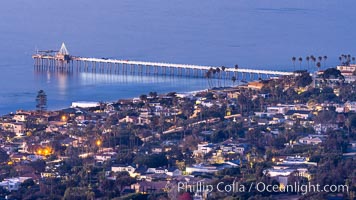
x,y
62,61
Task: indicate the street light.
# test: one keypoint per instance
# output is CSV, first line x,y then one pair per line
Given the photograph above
x,y
64,118
98,143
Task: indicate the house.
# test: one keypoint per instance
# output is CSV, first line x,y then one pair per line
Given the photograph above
x,y
173,171
13,184
18,157
264,114
323,128
231,148
287,170
16,127
125,168
51,128
255,85
102,157
277,109
350,106
144,118
310,140
295,160
201,168
68,142
298,114
129,119
347,70
84,104
233,94
20,117
149,187
157,150
203,148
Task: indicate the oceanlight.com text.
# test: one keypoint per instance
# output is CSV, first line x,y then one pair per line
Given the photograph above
x,y
236,187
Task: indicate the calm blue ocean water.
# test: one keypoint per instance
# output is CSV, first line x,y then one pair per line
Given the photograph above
x,y
251,33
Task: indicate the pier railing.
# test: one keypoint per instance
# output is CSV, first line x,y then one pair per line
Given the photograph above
x,y
65,62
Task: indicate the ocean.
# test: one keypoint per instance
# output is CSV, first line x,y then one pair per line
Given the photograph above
x,y
250,33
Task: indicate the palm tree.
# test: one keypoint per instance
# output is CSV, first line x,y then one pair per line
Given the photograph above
x,y
318,65
214,72
353,59
208,75
236,73
340,58
320,58
300,62
242,101
233,80
224,76
313,59
218,71
325,58
307,58
293,60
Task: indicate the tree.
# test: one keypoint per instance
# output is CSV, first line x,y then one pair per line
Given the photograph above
x,y
154,160
124,179
41,101
78,193
233,80
351,124
39,165
320,58
332,73
293,60
303,80
143,97
218,71
242,101
307,59
300,62
318,65
3,156
208,76
224,76
153,95
325,58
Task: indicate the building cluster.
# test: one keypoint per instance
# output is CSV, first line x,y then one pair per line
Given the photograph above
x,y
156,141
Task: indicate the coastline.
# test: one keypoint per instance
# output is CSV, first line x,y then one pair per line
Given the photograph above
x,y
190,92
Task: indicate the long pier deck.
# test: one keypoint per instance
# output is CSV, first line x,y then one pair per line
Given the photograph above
x,y
65,62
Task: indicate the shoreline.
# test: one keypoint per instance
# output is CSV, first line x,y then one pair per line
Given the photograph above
x,y
191,92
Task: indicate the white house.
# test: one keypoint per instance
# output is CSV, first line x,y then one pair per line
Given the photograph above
x,y
13,184
310,140
322,128
232,148
20,117
205,148
277,109
158,170
100,158
84,104
201,168
124,168
173,172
